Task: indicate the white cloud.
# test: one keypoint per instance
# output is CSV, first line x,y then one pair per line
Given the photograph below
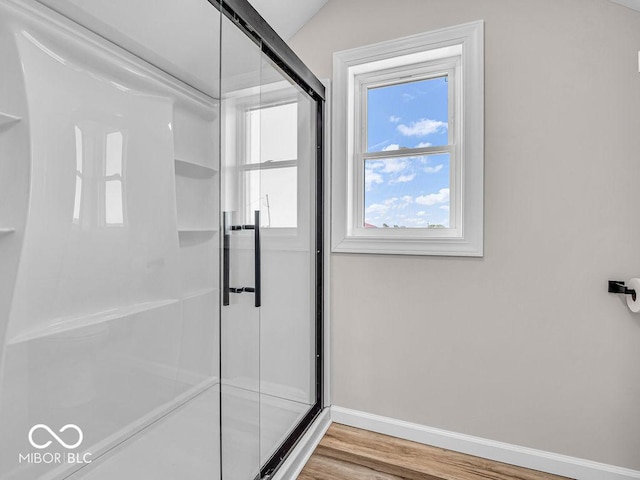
x,y
422,127
391,201
445,207
392,165
435,169
423,145
371,178
407,97
404,178
408,199
421,213
394,119
377,208
391,147
434,198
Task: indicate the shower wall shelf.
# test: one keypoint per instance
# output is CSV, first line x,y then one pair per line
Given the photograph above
x,y
7,231
6,119
198,168
199,293
67,324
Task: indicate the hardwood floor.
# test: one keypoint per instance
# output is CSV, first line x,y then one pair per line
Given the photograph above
x,y
347,453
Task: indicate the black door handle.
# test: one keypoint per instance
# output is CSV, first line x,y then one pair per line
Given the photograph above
x,y
226,255
226,220
257,249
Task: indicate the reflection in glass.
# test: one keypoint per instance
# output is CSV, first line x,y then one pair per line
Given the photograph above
x,y
78,195
114,213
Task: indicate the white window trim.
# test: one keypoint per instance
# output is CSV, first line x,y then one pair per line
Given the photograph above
x,y
466,238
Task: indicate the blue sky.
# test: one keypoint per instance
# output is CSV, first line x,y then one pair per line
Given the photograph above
x,y
407,191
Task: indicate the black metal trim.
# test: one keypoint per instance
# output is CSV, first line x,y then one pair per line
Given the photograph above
x,y
245,16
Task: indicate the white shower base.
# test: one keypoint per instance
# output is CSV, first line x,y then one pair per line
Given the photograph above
x,y
185,443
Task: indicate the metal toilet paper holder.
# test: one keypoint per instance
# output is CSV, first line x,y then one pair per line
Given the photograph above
x,y
618,286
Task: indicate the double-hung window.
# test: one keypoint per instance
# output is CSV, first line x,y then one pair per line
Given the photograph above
x,y
408,145
270,169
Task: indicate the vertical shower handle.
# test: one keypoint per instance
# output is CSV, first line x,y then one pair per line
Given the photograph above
x,y
258,272
226,256
226,240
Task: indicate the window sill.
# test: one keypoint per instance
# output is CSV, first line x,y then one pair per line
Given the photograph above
x,y
418,246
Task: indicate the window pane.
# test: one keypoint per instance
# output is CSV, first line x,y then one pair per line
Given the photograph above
x,y
278,196
78,199
273,133
114,214
113,164
407,192
408,115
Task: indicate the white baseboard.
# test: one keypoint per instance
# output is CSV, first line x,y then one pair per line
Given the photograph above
x,y
297,459
502,452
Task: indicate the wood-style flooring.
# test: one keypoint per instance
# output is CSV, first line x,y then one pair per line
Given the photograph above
x,y
347,453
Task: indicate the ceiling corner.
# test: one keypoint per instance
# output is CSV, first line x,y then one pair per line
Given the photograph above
x,y
286,17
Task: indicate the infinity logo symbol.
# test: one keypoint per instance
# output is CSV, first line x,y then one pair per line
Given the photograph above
x,y
53,434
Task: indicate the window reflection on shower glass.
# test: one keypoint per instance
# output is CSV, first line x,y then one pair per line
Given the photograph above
x,y
78,196
113,202
99,176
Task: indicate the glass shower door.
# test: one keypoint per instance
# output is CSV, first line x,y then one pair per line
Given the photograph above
x,y
286,183
268,313
240,311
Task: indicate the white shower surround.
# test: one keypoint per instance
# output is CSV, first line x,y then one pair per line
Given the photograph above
x,y
116,341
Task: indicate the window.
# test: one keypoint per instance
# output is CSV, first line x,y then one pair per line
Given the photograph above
x,y
99,193
113,201
408,145
270,169
79,160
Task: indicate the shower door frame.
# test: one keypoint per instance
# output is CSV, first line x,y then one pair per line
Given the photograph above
x,y
241,13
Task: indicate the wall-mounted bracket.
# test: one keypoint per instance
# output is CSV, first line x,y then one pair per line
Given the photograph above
x,y
618,286
241,289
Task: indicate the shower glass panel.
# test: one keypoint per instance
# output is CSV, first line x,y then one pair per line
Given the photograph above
x,y
268,330
287,205
240,317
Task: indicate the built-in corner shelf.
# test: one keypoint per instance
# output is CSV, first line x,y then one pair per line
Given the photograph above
x,y
7,231
195,169
6,119
57,326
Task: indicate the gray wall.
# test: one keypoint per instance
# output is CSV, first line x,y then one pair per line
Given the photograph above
x,y
524,345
